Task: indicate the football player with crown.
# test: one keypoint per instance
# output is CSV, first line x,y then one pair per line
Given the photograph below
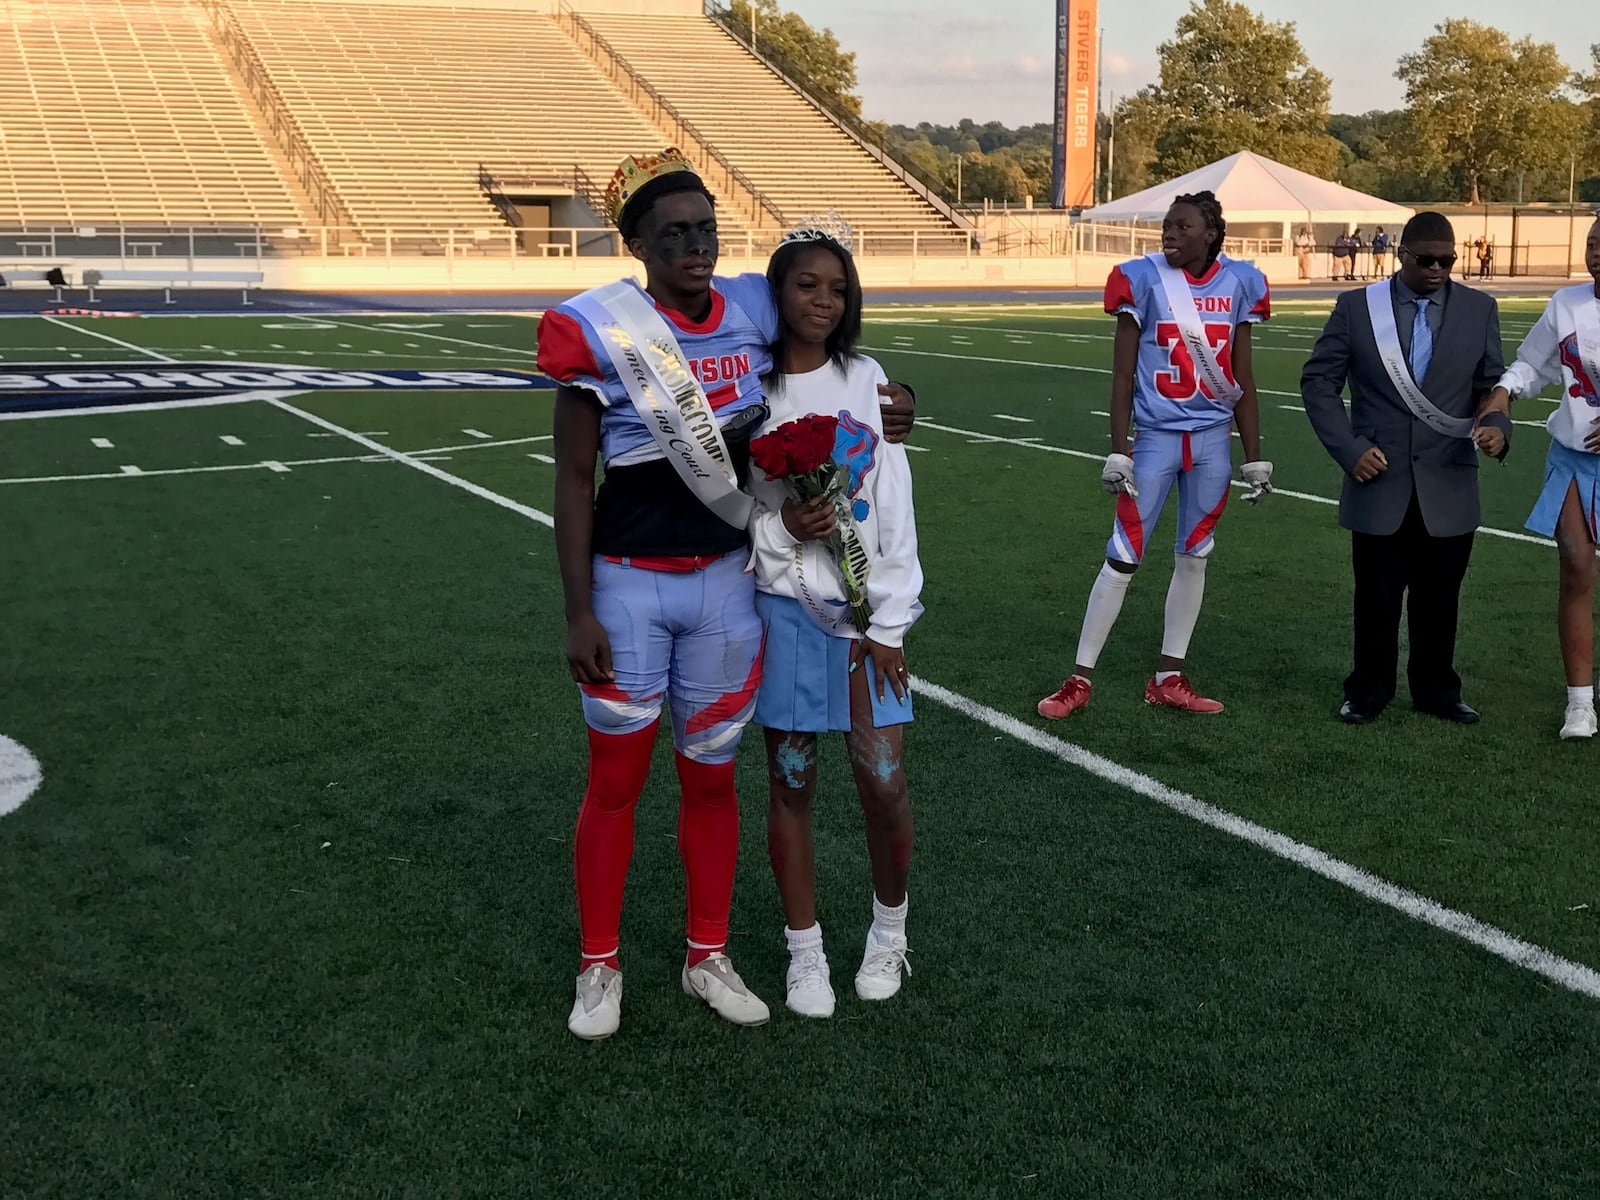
x,y
1181,371
662,383
1563,349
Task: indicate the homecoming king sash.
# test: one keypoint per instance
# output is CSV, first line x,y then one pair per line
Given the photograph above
x,y
1180,298
1380,308
666,395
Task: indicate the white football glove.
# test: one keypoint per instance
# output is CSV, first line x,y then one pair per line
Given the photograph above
x,y
1117,478
1259,476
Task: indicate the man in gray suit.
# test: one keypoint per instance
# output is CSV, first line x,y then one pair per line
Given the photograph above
x,y
1419,353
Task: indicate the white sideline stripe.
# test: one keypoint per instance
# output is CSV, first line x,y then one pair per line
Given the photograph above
x,y
1022,362
229,440
101,443
115,341
1574,976
1513,950
476,433
1032,444
465,485
1011,336
1009,417
152,406
294,462
437,337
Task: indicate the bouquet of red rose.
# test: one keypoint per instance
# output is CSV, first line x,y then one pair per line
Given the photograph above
x,y
800,453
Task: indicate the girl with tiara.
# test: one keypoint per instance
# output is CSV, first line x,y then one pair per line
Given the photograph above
x,y
820,673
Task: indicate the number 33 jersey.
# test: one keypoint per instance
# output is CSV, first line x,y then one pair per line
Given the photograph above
x,y
1168,392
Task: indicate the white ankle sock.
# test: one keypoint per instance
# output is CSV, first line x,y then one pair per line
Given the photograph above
x,y
1163,676
801,940
1105,602
888,923
1187,590
1581,695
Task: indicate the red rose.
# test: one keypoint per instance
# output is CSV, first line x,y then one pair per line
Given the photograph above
x,y
770,453
814,443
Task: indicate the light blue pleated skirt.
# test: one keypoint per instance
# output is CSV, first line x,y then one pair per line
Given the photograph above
x,y
1562,468
805,676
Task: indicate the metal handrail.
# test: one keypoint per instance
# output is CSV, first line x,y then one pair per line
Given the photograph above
x,y
331,210
852,126
756,201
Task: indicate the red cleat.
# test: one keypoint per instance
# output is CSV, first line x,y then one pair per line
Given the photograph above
x,y
1074,694
1176,693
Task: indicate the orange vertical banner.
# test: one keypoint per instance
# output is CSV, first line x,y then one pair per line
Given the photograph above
x,y
1080,108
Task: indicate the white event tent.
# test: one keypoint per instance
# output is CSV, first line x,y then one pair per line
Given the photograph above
x,y
1261,199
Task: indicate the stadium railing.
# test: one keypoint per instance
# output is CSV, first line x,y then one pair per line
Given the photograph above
x,y
712,164
138,244
308,170
870,137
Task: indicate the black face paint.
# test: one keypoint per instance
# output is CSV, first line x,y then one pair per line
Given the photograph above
x,y
675,243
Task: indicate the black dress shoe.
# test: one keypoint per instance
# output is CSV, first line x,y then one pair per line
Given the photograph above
x,y
1460,713
1353,714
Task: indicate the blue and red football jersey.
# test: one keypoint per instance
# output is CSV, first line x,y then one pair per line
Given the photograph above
x,y
1167,390
728,353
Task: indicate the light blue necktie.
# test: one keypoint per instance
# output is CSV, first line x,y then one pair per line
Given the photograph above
x,y
1421,342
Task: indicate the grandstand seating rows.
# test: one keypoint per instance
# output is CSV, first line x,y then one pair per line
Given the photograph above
x,y
131,111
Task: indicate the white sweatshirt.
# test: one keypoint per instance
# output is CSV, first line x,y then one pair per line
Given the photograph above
x,y
1549,355
880,488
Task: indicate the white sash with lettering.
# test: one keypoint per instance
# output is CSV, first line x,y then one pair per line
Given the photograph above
x,y
1180,298
1586,323
1380,308
666,395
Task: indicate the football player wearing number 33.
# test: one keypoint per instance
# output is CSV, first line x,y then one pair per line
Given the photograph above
x,y
1182,373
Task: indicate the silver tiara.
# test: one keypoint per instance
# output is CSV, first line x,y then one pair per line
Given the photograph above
x,y
823,227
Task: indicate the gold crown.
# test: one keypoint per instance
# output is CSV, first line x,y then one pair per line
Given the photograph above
x,y
638,170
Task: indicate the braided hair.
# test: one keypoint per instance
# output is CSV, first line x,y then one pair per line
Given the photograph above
x,y
1211,213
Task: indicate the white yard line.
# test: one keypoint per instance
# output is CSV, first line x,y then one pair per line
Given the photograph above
x,y
115,341
101,443
1009,417
1529,957
229,440
436,337
976,435
477,433
1574,976
465,485
437,452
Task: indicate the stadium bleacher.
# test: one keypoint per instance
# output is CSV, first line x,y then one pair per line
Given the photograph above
x,y
125,110
796,155
152,113
401,130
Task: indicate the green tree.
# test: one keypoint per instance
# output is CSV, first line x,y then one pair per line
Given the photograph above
x,y
814,57
1487,105
1136,127
1232,81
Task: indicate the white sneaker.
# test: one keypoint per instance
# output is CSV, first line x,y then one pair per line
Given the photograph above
x,y
1580,722
879,976
714,981
597,1011
810,990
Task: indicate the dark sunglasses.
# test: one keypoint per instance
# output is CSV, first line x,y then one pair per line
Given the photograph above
x,y
1426,261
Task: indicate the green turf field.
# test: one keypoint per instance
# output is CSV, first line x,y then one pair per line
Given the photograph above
x,y
291,913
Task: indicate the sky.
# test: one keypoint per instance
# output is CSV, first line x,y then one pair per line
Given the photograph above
x,y
941,60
